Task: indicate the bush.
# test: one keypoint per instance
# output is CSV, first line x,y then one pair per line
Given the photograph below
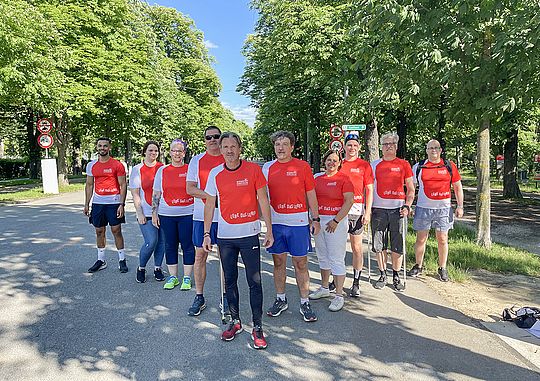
x,y
13,168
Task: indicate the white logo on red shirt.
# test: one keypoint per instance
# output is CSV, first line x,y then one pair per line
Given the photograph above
x,y
355,170
107,170
395,169
441,171
182,174
332,184
242,183
233,216
291,173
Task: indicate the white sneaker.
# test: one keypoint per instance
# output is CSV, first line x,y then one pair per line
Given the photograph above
x,y
320,293
336,304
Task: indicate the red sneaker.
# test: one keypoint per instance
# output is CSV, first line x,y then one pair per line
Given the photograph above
x,y
259,342
233,329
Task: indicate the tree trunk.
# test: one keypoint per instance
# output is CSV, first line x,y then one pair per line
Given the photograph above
x,y
402,133
483,197
63,140
442,122
510,184
371,141
316,142
34,151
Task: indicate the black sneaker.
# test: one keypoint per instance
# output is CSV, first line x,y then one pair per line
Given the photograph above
x,y
332,286
278,307
122,266
99,265
381,282
158,274
415,271
141,275
396,282
307,312
443,274
197,306
355,289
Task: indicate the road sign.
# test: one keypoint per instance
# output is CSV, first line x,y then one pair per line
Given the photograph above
x,y
45,141
354,127
44,126
336,145
336,131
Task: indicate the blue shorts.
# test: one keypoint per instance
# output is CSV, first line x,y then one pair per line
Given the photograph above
x,y
198,232
105,214
291,239
439,219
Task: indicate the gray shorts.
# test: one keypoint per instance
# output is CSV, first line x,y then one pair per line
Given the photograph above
x,y
387,224
355,225
438,219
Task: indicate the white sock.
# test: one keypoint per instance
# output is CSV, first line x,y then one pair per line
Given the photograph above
x,y
281,297
304,300
121,254
101,254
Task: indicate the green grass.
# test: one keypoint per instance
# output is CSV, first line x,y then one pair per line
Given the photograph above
x,y
36,192
530,186
464,255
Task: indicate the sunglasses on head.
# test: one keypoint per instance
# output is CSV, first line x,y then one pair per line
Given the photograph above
x,y
210,137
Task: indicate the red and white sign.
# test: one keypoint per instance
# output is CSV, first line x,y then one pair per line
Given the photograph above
x,y
44,126
537,158
336,131
336,145
499,157
45,141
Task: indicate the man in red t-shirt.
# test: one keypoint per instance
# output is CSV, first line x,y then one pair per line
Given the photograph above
x,y
433,208
107,188
390,205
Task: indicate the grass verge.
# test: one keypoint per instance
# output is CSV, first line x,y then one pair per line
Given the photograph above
x,y
36,192
464,256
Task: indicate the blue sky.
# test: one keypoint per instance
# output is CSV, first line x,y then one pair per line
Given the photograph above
x,y
225,24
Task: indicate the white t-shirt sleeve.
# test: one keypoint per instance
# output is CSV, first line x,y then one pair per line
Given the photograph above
x,y
414,173
135,178
157,180
89,168
211,187
193,169
266,168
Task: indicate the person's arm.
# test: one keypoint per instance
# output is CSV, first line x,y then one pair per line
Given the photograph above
x,y
314,209
156,197
458,192
348,201
369,203
193,190
123,194
209,208
262,197
88,190
405,209
137,202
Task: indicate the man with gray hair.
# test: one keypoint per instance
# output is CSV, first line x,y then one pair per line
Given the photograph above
x,y
435,176
390,205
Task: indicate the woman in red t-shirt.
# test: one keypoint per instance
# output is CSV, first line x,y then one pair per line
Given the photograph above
x,y
335,196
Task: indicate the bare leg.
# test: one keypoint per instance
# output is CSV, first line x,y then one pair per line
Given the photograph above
x,y
302,275
118,237
200,269
442,243
280,272
420,246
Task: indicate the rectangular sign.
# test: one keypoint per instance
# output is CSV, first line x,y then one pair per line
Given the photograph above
x,y
354,127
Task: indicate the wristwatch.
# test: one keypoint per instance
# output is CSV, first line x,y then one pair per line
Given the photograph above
x,y
316,219
406,207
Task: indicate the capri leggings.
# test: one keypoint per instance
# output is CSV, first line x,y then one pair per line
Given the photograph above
x,y
178,230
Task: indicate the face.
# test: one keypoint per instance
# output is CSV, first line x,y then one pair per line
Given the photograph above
x,y
433,149
332,162
177,152
103,147
389,147
283,149
211,139
151,153
352,148
230,149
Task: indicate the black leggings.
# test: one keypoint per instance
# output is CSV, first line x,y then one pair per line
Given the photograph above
x,y
250,250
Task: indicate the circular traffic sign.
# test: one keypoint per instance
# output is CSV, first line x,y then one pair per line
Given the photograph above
x,y
336,145
44,126
45,141
336,131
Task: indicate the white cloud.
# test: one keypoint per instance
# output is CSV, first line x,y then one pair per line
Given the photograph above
x,y
209,44
244,113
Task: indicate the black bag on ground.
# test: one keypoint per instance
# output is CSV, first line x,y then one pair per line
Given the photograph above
x,y
524,317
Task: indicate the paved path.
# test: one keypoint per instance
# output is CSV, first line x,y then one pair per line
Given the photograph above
x,y
59,323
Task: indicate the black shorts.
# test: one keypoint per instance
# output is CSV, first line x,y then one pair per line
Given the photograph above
x,y
385,224
105,214
355,225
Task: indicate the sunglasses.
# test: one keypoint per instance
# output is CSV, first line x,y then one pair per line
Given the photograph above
x,y
210,137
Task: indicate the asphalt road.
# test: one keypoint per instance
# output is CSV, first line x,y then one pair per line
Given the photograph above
x,y
58,322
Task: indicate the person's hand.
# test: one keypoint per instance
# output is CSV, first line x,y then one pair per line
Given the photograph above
x,y
268,240
404,211
120,211
459,212
315,227
331,226
86,210
155,220
141,219
207,244
366,219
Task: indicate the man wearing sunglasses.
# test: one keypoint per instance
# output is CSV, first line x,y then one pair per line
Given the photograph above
x,y
199,168
434,177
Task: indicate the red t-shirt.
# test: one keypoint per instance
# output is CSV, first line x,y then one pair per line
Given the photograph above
x,y
390,176
106,185
199,168
171,182
142,178
330,192
434,184
360,174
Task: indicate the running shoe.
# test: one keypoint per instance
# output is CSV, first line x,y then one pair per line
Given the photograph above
x,y
122,266
332,286
337,303
158,274
171,283
197,306
355,289
396,282
99,265
381,282
415,271
141,275
186,284
233,329
443,274
307,312
257,335
278,307
321,292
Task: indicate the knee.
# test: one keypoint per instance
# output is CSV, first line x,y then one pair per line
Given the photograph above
x,y
116,231
421,239
200,257
100,232
280,260
442,239
300,264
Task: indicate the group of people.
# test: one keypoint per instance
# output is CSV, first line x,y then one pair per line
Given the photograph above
x,y
217,199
